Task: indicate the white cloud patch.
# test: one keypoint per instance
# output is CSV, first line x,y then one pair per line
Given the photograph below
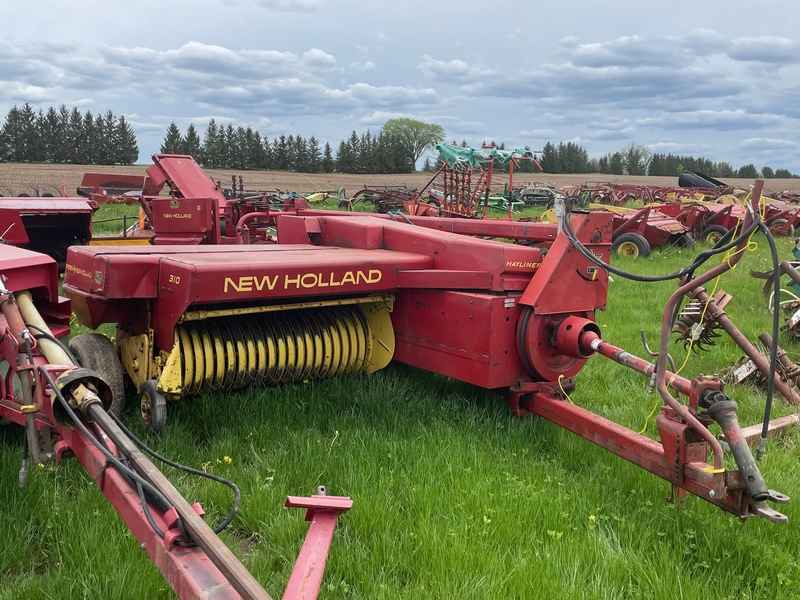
x,y
290,5
361,66
453,71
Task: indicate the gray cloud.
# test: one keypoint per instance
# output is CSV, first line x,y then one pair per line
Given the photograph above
x,y
775,50
718,89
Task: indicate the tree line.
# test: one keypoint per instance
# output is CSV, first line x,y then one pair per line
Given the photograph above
x,y
635,159
67,136
226,147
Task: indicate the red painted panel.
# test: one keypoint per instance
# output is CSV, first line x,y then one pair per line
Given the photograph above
x,y
467,336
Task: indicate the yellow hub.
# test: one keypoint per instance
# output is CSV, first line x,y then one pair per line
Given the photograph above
x,y
628,249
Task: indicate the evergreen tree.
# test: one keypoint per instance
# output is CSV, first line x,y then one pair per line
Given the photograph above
x,y
105,127
212,145
126,149
314,155
173,141
62,151
31,150
616,166
10,137
75,151
280,153
21,140
366,154
50,136
747,171
230,148
268,157
549,159
300,155
257,155
191,142
328,162
345,161
89,138
291,153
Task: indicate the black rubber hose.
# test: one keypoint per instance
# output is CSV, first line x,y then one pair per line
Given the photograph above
x,y
773,359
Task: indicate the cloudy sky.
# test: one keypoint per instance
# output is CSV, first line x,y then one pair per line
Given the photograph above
x,y
712,78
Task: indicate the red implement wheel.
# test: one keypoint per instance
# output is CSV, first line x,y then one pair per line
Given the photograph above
x,y
631,244
712,234
684,240
780,224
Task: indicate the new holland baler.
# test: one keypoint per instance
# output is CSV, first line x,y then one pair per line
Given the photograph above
x,y
331,293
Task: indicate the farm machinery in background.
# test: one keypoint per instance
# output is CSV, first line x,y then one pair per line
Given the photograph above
x,y
46,224
235,293
677,216
460,188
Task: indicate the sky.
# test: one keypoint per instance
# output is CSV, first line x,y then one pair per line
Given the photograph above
x,y
708,78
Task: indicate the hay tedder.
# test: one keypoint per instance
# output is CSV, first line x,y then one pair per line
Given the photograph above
x,y
322,294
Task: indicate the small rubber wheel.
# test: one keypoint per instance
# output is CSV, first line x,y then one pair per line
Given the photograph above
x,y
631,244
685,241
779,223
97,353
152,407
712,234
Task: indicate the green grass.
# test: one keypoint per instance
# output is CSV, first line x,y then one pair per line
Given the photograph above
x,y
452,496
113,218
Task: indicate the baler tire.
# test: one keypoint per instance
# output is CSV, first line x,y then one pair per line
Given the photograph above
x,y
631,244
96,352
713,233
152,407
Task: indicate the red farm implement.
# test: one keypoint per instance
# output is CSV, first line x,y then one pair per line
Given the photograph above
x,y
48,225
710,221
111,187
636,232
234,294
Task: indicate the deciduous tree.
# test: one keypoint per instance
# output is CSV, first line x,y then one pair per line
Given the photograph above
x,y
414,136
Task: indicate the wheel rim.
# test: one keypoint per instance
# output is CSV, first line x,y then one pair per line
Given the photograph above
x,y
146,408
628,249
713,237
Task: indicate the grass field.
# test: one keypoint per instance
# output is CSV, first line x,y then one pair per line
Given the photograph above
x,y
454,498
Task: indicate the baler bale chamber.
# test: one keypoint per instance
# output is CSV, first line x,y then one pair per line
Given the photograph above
x,y
221,318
